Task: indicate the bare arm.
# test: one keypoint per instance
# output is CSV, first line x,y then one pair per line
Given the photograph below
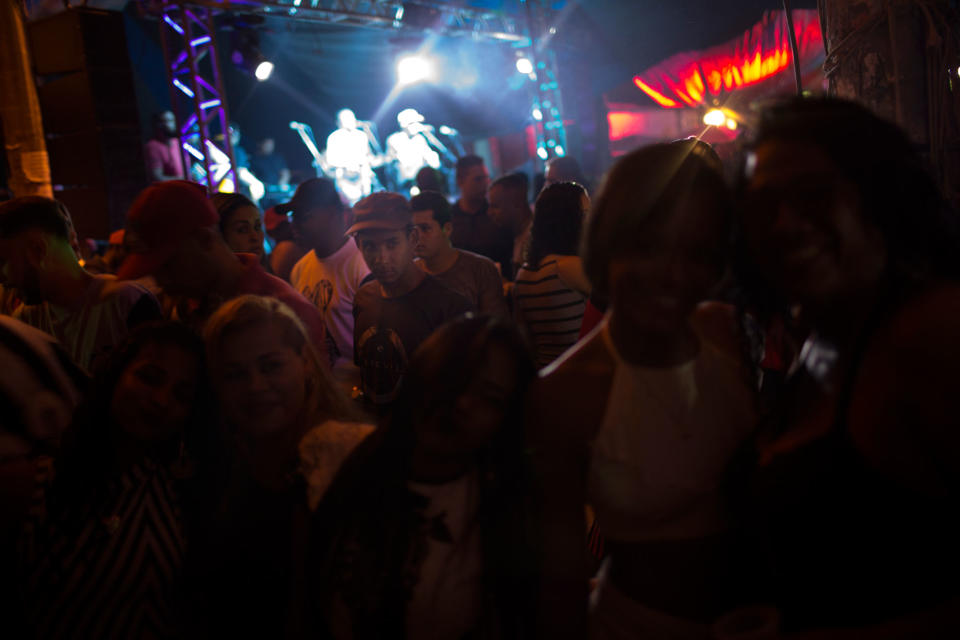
x,y
570,270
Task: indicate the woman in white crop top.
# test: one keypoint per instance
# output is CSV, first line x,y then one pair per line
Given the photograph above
x,y
643,418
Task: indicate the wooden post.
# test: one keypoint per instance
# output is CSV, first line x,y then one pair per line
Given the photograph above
x,y
19,109
899,57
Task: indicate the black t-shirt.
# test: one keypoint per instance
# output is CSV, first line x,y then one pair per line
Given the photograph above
x,y
388,330
268,168
477,232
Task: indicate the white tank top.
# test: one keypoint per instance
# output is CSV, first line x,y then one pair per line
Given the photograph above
x,y
667,438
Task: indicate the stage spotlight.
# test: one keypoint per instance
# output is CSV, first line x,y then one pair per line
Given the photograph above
x,y
537,114
559,151
731,124
246,53
542,152
714,118
263,71
524,66
414,68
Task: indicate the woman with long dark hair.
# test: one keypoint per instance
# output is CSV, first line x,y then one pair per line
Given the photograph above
x,y
857,481
551,290
104,557
424,533
241,223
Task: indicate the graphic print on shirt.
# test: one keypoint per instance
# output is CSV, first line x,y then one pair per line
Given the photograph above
x,y
383,361
320,294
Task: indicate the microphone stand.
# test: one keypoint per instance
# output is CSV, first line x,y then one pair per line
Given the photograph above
x,y
306,136
427,133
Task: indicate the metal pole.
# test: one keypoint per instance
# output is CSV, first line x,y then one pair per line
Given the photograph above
x,y
198,98
222,110
185,158
793,47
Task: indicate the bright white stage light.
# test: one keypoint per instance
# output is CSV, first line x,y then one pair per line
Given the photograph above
x,y
714,118
537,114
542,152
413,69
731,124
559,151
264,69
524,66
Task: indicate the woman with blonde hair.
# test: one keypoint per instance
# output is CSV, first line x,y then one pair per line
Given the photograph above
x,y
287,428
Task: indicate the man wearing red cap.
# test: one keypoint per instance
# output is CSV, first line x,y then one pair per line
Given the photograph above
x,y
403,305
172,234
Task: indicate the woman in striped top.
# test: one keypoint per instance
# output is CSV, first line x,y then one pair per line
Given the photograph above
x,y
103,553
551,290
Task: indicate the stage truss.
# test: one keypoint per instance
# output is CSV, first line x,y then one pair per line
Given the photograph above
x,y
188,37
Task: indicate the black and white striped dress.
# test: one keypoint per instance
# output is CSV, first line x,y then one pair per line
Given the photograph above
x,y
550,309
108,568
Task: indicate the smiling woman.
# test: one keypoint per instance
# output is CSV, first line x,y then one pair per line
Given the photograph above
x,y
287,430
115,506
857,477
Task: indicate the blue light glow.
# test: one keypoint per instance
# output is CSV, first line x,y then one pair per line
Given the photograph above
x,y
186,90
173,24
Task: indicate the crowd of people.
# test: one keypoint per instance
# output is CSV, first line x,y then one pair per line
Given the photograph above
x,y
700,402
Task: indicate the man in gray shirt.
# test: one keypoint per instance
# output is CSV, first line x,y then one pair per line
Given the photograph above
x,y
472,276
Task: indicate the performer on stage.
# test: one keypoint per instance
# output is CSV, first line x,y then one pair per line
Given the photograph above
x,y
410,147
351,156
271,168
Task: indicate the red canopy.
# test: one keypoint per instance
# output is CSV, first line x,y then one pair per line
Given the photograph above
x,y
696,78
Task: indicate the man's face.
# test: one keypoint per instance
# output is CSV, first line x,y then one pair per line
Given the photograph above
x,y
431,237
473,184
267,146
188,271
167,123
346,120
18,271
319,227
388,254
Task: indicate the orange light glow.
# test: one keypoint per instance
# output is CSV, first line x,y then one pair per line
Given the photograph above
x,y
658,97
764,51
624,124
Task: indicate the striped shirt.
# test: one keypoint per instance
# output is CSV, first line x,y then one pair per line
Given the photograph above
x,y
550,309
108,568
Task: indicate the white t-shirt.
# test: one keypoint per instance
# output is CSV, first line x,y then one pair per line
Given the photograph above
x,y
411,153
330,284
447,601
348,149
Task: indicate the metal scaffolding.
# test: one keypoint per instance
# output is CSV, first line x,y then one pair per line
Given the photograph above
x,y
547,109
189,43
